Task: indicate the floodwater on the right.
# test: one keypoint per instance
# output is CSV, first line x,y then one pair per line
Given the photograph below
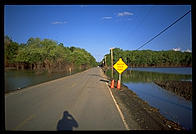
x,y
170,105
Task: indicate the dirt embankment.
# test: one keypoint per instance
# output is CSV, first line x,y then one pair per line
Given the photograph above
x,y
136,110
181,88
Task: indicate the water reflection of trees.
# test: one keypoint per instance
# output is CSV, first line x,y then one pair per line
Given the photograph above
x,y
143,76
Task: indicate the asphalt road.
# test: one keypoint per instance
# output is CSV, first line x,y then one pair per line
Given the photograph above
x,y
78,102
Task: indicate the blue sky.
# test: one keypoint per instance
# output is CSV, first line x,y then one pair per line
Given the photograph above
x,y
97,28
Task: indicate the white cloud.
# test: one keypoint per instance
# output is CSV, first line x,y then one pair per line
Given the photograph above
x,y
179,49
83,6
188,50
176,49
106,18
59,22
124,14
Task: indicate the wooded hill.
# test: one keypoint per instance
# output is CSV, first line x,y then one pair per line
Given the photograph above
x,y
149,58
46,55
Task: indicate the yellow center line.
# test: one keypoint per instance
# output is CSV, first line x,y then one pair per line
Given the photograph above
x,y
25,121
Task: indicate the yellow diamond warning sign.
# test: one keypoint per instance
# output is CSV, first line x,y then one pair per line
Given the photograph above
x,y
120,66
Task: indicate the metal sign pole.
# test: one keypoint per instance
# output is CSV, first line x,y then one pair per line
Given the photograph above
x,y
120,77
119,81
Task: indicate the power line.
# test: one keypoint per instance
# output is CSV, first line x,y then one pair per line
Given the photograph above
x,y
139,24
164,30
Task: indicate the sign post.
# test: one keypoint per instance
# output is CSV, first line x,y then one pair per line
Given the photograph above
x,y
120,67
119,78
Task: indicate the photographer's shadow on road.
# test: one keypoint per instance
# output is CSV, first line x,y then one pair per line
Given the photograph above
x,y
67,122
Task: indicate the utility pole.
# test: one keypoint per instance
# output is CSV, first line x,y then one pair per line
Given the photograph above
x,y
112,62
112,76
105,61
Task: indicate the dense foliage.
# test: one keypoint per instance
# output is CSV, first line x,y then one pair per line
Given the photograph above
x,y
45,54
149,58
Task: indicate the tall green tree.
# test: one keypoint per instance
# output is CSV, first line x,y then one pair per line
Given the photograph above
x,y
148,58
46,54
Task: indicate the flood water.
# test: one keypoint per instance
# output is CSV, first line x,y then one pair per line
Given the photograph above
x,y
18,79
173,107
181,70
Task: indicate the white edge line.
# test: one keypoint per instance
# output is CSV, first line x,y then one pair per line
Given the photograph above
x,y
121,114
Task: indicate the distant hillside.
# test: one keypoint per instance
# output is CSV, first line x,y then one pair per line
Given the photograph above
x,y
149,58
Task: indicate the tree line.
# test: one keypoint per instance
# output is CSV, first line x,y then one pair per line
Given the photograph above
x,y
149,58
46,54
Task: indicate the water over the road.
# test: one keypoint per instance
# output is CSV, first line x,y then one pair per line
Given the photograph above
x,y
173,107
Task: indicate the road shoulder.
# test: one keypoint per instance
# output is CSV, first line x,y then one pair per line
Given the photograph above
x,y
138,114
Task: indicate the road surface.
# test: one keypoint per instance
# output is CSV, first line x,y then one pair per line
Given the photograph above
x,y
78,102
